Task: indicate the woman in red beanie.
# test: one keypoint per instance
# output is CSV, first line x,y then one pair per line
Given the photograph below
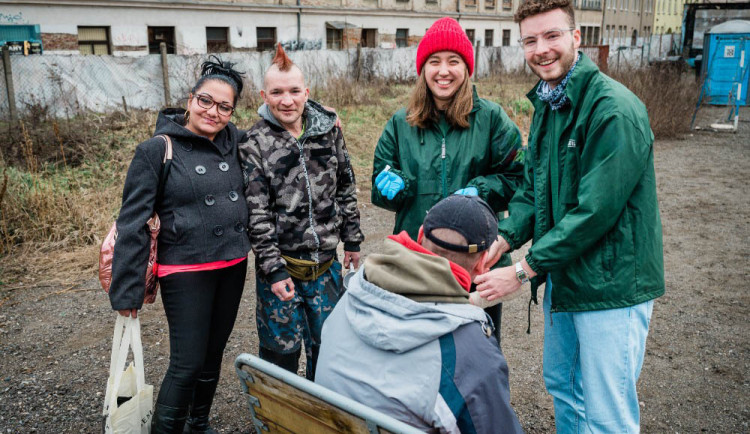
x,y
447,141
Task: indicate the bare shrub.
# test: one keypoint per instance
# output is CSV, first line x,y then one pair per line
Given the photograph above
x,y
669,95
62,179
71,141
342,91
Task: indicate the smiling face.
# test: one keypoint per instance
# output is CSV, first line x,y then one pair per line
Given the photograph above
x,y
550,59
208,122
445,72
285,94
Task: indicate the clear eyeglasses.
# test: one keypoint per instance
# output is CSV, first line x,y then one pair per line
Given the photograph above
x,y
550,37
205,101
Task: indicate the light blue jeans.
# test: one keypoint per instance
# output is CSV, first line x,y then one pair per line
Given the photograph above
x,y
592,361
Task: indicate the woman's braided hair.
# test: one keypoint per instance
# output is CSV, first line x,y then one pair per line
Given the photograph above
x,y
217,69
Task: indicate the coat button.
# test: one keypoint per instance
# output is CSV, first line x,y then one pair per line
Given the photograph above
x,y
218,230
210,200
239,227
200,170
223,166
233,196
186,146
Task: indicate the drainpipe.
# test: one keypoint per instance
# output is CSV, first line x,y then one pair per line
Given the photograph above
x,y
604,14
299,21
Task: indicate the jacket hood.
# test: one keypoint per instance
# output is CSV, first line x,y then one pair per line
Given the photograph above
x,y
389,317
407,268
318,121
391,322
171,122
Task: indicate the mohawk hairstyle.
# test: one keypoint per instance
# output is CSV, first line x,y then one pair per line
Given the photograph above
x,y
281,60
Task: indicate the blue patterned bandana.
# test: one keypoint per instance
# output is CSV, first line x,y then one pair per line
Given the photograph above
x,y
556,97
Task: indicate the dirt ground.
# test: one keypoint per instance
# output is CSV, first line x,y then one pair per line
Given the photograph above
x,y
55,341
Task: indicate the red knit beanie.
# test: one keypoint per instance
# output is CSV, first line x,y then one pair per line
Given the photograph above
x,y
445,35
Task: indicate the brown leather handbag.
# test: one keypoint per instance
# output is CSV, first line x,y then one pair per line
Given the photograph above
x,y
108,246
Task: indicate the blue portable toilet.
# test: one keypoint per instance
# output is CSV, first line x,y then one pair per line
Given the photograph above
x,y
726,48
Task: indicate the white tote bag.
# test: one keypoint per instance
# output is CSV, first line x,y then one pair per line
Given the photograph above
x,y
128,403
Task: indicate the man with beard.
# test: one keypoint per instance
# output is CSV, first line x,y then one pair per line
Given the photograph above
x,y
588,200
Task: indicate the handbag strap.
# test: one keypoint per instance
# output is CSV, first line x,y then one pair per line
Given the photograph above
x,y
166,165
122,357
137,347
116,341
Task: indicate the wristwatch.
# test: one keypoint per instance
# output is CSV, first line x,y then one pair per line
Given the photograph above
x,y
521,273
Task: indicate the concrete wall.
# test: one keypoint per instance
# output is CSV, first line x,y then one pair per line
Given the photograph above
x,y
68,85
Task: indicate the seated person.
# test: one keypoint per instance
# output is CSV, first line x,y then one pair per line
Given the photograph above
x,y
404,339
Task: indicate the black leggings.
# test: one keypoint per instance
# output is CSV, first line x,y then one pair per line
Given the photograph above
x,y
201,307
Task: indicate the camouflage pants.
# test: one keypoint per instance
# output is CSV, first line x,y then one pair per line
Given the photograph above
x,y
284,325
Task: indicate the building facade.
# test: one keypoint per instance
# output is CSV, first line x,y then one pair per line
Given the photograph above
x,y
628,22
137,27
589,20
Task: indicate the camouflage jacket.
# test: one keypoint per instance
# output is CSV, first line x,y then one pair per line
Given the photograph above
x,y
301,193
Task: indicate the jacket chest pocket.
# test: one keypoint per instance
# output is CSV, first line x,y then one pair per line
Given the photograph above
x,y
324,158
571,172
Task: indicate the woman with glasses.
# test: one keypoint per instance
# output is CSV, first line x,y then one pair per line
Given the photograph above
x,y
447,140
203,242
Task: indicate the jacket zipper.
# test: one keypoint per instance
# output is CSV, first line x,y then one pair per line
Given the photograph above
x,y
315,257
442,170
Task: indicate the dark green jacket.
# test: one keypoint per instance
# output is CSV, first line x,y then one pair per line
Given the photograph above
x,y
588,197
435,165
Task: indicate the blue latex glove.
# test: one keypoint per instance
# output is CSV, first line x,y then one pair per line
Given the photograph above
x,y
468,191
389,184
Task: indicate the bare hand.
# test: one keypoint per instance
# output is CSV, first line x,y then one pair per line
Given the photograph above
x,y
283,289
128,312
496,251
351,258
497,283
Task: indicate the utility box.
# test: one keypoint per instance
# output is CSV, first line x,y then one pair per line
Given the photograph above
x,y
726,48
21,39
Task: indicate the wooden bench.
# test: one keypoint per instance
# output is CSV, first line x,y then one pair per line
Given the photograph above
x,y
283,402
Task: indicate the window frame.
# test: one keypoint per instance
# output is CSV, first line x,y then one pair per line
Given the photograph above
x,y
171,48
258,40
218,42
491,34
403,38
337,41
90,42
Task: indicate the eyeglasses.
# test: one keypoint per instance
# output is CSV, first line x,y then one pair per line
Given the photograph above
x,y
205,101
551,37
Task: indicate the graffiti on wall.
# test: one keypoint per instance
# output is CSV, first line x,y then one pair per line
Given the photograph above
x,y
127,39
10,18
302,44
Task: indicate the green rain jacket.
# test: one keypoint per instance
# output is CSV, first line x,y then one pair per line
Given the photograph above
x,y
437,161
588,197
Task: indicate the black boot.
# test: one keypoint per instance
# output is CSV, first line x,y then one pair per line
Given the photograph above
x,y
286,361
203,397
168,420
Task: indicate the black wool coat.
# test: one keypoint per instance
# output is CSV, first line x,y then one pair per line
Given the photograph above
x,y
202,209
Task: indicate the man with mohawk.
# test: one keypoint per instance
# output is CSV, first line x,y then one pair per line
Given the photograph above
x,y
301,197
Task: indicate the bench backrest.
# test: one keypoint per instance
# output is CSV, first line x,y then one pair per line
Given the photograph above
x,y
283,402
